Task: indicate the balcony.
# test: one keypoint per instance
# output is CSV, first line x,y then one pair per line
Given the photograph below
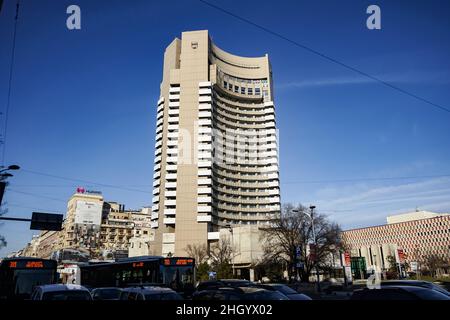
x,y
203,209
204,91
204,99
170,203
170,193
154,224
169,221
204,218
174,90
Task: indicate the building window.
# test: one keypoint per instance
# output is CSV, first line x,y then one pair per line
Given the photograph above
x,y
242,90
250,91
225,84
236,89
257,91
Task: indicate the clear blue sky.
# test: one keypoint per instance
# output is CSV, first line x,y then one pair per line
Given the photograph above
x,y
83,102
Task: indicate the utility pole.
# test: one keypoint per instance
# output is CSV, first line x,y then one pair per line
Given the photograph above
x,y
315,245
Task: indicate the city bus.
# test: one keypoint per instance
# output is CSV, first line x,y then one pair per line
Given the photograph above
x,y
19,276
175,273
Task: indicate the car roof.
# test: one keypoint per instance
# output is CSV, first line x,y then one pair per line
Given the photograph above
x,y
393,287
148,290
61,287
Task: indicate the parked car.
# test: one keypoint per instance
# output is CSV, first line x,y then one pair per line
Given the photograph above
x,y
214,284
416,283
238,293
61,292
331,284
106,293
398,293
284,289
149,293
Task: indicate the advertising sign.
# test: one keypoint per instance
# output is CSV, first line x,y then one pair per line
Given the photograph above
x,y
347,259
88,212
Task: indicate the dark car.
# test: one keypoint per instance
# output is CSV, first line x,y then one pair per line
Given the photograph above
x,y
284,289
106,293
398,293
215,284
238,293
61,292
415,283
149,293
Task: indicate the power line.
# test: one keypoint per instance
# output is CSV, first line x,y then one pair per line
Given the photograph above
x,y
364,179
11,69
326,57
84,181
37,195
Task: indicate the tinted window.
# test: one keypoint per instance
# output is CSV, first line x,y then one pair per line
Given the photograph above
x,y
67,295
107,294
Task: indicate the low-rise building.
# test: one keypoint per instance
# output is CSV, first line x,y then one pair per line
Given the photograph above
x,y
409,237
97,228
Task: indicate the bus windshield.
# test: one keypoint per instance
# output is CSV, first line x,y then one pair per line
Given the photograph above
x,y
24,281
18,277
178,278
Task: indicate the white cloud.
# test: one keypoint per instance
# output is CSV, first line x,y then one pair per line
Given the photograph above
x,y
405,77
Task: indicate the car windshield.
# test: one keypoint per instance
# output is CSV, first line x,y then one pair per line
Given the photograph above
x,y
108,293
67,295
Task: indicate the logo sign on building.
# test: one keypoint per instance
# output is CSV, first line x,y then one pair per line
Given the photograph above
x,y
89,213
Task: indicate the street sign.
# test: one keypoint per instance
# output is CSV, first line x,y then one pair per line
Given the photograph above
x,y
401,255
300,265
414,266
298,252
46,221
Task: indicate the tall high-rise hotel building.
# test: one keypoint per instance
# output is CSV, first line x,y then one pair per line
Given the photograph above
x,y
216,151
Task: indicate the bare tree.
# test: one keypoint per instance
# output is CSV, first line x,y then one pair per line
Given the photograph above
x,y
221,254
291,231
197,251
434,263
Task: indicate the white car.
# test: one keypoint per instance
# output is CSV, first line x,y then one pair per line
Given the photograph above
x,y
61,292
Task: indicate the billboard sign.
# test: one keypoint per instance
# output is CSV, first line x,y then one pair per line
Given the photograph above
x,y
88,212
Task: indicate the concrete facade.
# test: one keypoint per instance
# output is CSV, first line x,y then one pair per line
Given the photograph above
x,y
216,150
418,234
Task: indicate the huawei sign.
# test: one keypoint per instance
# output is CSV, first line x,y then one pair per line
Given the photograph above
x,y
81,190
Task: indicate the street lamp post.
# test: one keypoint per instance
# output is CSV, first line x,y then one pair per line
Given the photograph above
x,y
311,217
232,247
